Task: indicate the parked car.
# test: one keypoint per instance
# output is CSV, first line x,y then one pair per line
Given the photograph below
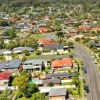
x,y
87,88
95,62
85,70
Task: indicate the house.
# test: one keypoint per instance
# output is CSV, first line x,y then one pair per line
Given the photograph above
x,y
11,66
85,28
58,48
50,45
35,64
20,50
56,75
12,19
58,94
7,41
64,63
43,29
98,45
5,78
5,52
56,82
46,42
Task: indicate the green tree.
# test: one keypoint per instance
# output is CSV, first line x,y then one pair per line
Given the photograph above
x,y
50,84
38,52
59,34
23,59
1,43
3,23
31,89
75,80
26,52
11,33
77,39
4,95
22,82
39,96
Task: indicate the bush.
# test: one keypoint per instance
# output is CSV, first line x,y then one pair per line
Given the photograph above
x,y
46,50
38,52
50,84
26,52
23,59
58,53
19,95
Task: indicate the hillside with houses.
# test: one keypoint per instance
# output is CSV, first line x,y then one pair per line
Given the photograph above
x,y
49,49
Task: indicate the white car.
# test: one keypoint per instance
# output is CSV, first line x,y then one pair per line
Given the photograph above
x,y
95,62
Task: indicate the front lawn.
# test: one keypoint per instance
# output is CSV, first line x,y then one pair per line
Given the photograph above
x,y
38,36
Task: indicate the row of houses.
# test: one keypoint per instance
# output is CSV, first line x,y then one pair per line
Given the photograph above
x,y
35,65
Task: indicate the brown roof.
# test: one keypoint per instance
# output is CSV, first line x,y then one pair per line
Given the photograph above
x,y
72,34
55,81
62,63
47,42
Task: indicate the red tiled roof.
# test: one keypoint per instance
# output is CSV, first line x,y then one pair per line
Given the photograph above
x,y
84,28
13,19
5,75
62,63
28,30
47,42
43,29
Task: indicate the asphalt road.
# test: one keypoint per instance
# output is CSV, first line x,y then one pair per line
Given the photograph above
x,y
93,75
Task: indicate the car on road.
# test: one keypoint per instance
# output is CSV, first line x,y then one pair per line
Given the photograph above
x,y
95,62
87,89
85,70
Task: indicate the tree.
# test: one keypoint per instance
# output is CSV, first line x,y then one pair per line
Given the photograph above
x,y
4,95
3,23
70,56
59,34
26,52
31,89
77,39
38,52
23,59
39,96
50,84
26,73
1,43
22,82
11,33
75,80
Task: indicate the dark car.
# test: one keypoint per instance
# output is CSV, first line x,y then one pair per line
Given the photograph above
x,y
85,70
87,88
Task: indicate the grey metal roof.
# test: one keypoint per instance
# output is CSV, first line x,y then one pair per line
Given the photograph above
x,y
22,49
55,81
34,61
58,92
60,46
3,50
56,75
13,64
97,45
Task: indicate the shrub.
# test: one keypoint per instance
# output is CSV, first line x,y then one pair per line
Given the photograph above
x,y
19,95
38,52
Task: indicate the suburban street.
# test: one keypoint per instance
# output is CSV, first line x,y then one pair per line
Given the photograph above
x,y
93,75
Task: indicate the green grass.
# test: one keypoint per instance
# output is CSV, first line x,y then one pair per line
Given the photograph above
x,y
75,91
38,36
67,83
